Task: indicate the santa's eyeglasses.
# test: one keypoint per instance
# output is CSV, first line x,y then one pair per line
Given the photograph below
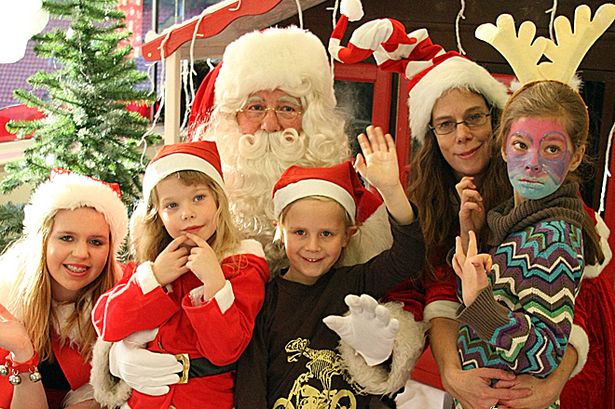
x,y
256,112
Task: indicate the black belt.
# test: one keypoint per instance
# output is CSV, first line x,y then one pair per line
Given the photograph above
x,y
199,367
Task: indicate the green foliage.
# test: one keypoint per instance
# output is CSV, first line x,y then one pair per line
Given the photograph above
x,y
11,216
87,127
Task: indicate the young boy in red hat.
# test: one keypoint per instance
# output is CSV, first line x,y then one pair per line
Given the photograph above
x,y
292,357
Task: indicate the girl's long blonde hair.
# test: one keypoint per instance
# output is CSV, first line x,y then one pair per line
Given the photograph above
x,y
33,297
149,237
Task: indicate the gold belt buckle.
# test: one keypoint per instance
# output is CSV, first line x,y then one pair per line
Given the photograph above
x,y
183,359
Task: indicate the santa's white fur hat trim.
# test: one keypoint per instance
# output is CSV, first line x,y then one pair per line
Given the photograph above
x,y
71,191
275,58
454,72
167,165
313,187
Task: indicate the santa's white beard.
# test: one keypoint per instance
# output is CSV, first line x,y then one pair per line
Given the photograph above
x,y
252,164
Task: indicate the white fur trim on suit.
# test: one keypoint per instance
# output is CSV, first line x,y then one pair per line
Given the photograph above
x,y
441,309
594,270
163,167
71,191
108,390
374,236
579,340
225,297
455,72
250,246
275,58
407,348
313,187
145,277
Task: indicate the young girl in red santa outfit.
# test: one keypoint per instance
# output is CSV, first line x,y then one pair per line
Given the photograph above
x,y
49,280
292,359
197,282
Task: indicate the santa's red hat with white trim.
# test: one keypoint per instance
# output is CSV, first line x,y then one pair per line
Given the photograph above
x,y
431,70
339,182
287,58
203,104
201,156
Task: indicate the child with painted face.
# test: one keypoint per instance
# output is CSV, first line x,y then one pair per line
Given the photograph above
x,y
74,227
196,282
292,359
518,300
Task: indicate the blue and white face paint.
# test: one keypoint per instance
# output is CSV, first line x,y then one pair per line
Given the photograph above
x,y
538,155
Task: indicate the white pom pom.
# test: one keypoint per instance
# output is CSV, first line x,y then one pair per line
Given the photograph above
x,y
353,9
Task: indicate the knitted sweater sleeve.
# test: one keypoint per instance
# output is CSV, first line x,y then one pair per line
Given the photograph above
x,y
527,312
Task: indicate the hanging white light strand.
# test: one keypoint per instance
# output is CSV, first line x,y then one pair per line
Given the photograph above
x,y
188,77
457,20
299,13
187,82
607,169
163,73
334,9
553,11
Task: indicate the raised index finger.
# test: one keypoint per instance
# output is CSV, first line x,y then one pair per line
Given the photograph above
x,y
198,240
472,246
461,258
175,243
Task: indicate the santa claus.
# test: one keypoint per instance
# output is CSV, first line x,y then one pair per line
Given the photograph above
x,y
274,106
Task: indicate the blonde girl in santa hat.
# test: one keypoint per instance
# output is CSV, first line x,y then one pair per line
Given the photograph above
x,y
197,285
292,359
73,228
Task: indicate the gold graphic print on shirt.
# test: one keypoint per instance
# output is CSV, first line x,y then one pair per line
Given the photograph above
x,y
322,365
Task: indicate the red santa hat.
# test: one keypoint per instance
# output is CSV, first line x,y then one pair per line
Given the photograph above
x,y
431,70
201,156
68,190
203,103
275,58
339,182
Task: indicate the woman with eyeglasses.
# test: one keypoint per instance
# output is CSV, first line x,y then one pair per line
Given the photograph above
x,y
460,144
454,110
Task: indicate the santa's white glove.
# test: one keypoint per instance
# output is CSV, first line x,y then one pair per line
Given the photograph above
x,y
368,328
145,371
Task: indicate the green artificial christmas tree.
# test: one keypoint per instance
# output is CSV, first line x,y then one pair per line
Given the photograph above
x,y
86,127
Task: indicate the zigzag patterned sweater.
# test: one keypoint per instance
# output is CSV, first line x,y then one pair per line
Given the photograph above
x,y
522,320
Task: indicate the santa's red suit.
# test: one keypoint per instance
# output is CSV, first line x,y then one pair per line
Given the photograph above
x,y
218,330
594,311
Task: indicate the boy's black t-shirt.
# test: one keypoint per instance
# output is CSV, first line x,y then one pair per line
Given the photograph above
x,y
293,356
